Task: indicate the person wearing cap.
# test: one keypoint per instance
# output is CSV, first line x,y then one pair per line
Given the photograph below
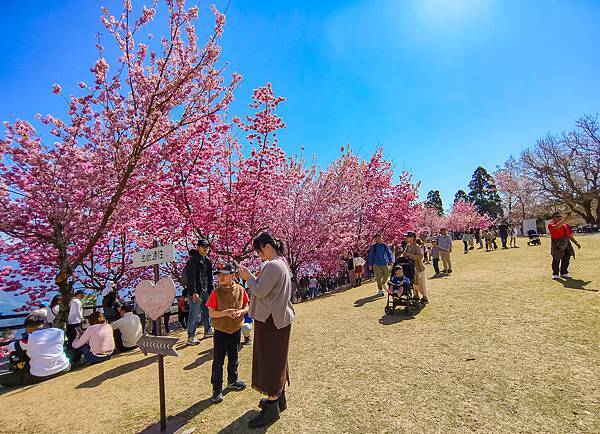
x,y
227,305
415,254
444,241
45,349
561,248
380,259
199,285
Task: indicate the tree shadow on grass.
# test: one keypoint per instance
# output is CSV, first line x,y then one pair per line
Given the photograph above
x,y
578,284
205,356
362,301
240,425
117,372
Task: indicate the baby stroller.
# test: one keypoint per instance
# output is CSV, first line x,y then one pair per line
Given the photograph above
x,y
534,238
406,298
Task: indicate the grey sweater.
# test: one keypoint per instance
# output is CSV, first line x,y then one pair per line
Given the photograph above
x,y
445,242
272,293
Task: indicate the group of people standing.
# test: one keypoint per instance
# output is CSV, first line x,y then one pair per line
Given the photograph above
x,y
487,237
225,308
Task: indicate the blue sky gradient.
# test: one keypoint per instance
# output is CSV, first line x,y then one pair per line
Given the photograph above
x,y
443,86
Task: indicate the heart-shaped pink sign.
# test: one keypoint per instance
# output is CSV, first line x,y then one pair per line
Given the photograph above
x,y
155,299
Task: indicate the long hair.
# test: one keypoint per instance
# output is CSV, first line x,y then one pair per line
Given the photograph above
x,y
265,238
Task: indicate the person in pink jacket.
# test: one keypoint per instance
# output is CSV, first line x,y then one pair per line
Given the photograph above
x,y
96,343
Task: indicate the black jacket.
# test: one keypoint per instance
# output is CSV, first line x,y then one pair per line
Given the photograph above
x,y
199,274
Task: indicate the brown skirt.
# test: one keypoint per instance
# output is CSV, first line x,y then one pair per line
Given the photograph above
x,y
270,357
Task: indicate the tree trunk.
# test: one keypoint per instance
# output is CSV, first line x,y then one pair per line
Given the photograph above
x,y
65,287
62,280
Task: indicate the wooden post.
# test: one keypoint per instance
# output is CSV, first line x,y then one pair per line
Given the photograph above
x,y
161,361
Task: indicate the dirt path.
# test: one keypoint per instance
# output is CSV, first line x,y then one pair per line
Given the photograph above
x,y
501,348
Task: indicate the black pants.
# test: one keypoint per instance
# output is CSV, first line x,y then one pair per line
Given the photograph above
x,y
182,316
225,344
466,243
71,334
562,264
436,265
119,342
504,239
14,379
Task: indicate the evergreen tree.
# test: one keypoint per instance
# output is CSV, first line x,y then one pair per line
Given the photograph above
x,y
483,193
461,196
434,200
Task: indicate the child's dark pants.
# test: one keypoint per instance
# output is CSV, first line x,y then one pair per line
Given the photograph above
x,y
225,344
436,265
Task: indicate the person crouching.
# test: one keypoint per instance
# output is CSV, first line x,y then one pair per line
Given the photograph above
x,y
227,305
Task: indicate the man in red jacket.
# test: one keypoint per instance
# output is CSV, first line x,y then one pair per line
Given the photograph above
x,y
560,247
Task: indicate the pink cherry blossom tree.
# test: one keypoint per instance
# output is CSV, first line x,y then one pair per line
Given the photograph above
x,y
464,215
59,199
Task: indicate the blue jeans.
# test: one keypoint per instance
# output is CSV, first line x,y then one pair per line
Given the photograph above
x,y
198,313
91,357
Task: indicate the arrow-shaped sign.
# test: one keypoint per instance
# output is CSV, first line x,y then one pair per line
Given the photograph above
x,y
162,345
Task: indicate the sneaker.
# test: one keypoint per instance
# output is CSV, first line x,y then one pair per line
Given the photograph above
x,y
449,271
209,333
238,385
193,341
217,397
555,277
424,300
565,276
380,292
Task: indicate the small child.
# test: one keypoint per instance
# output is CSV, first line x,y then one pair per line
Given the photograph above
x,y
435,256
227,305
399,282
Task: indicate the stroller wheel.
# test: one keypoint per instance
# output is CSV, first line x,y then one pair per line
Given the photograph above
x,y
389,310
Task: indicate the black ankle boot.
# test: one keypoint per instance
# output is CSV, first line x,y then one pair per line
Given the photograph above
x,y
268,414
281,401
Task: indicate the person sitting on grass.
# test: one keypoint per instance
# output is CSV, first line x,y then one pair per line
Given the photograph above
x,y
227,305
44,347
96,343
127,330
398,283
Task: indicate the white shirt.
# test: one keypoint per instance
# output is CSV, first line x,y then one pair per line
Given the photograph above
x,y
313,283
45,348
130,328
51,314
75,312
358,261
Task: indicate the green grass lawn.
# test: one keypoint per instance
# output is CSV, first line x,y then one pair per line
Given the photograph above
x,y
500,348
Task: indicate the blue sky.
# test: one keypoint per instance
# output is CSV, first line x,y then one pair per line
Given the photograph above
x,y
443,86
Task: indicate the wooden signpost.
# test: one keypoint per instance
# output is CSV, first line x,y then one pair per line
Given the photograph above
x,y
155,298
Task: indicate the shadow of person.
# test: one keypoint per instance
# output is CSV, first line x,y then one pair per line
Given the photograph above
x,y
362,301
240,425
578,284
205,356
117,372
395,319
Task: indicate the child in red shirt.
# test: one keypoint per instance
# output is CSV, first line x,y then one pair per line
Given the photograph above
x,y
226,305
